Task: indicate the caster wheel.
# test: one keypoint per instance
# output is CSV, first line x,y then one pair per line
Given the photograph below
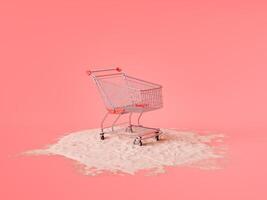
x,y
138,141
157,137
102,137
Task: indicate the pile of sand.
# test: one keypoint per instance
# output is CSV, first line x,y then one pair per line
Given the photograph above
x,y
118,154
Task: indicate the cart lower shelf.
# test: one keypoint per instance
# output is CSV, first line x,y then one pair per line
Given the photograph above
x,y
139,134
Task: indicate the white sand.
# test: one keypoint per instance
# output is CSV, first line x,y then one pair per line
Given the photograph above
x,y
117,154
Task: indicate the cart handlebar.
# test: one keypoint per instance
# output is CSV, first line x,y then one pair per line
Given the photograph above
x,y
90,72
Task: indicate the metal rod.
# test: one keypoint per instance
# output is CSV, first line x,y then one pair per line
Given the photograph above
x,y
102,122
156,129
103,70
113,74
130,122
143,81
116,124
90,72
117,118
130,118
139,117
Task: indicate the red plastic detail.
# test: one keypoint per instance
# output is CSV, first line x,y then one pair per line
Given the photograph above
x,y
141,105
116,110
89,72
118,69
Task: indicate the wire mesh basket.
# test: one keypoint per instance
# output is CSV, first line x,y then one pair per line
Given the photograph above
x,y
122,93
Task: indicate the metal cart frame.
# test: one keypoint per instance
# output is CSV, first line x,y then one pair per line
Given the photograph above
x,y
123,94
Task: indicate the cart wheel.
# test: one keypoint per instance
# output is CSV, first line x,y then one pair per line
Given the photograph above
x,y
138,141
157,137
102,137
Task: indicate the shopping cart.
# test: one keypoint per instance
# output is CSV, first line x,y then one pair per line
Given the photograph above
x,y
123,94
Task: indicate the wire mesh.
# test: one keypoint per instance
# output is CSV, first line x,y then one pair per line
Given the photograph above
x,y
129,93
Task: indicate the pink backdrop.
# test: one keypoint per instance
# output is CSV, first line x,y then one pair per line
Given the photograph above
x,y
209,56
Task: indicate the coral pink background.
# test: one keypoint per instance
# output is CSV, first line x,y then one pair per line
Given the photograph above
x,y
210,56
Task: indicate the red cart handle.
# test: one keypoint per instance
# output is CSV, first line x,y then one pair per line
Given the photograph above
x,y
90,72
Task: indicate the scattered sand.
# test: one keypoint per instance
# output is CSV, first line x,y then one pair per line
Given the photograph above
x,y
117,154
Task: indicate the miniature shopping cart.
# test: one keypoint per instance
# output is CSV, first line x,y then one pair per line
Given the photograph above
x,y
123,94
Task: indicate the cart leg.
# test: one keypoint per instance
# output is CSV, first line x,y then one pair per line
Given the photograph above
x,y
130,127
139,117
113,124
102,137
